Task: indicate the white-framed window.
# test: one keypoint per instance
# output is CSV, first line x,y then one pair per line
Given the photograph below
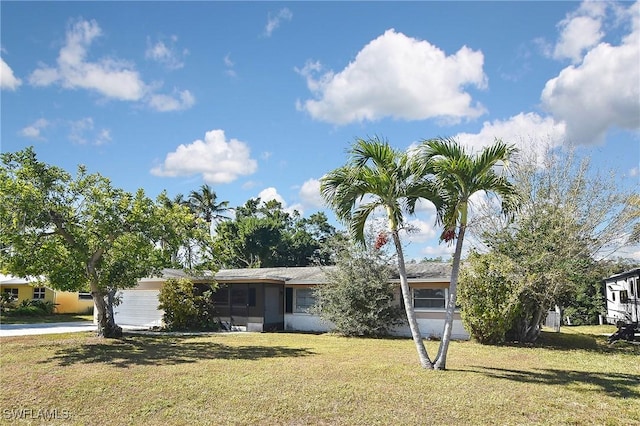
x,y
39,292
12,292
304,300
429,298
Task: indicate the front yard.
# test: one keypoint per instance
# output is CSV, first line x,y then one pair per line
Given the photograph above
x,y
302,379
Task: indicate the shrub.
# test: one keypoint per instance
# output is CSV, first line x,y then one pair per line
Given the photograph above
x,y
358,299
188,306
488,296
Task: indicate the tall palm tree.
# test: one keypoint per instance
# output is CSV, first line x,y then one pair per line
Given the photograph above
x,y
459,175
203,203
377,176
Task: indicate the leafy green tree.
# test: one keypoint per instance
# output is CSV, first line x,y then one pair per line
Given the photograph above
x,y
459,175
376,177
264,235
571,218
81,232
359,299
488,296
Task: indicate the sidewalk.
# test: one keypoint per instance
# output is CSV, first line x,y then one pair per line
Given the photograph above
x,y
7,330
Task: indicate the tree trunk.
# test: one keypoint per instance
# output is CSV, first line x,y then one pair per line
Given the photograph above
x,y
441,358
425,362
106,321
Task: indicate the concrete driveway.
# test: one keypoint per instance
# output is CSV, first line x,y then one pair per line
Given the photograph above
x,y
7,330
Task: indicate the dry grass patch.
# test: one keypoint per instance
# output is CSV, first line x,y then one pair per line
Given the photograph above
x,y
301,379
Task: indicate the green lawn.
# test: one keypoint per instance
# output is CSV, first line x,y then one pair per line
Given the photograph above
x,y
8,318
301,379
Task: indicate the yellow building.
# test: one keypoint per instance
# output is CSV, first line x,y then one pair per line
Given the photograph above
x,y
65,302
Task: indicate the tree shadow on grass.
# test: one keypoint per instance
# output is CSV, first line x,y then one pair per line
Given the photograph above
x,y
164,350
579,341
612,384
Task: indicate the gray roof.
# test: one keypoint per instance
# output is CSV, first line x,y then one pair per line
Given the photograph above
x,y
429,271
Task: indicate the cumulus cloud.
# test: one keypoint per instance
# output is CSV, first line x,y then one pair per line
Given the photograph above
x,y
34,130
310,193
602,91
274,20
530,132
579,31
8,81
218,160
271,193
397,76
167,53
110,77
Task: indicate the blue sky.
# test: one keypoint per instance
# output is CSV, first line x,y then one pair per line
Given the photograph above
x,y
264,98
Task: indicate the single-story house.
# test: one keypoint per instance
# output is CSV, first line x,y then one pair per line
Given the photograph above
x,y
623,300
269,299
65,302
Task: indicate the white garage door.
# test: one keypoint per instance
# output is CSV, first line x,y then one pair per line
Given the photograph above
x,y
139,308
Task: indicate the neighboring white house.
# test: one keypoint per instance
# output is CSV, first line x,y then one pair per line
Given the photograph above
x,y
623,300
269,299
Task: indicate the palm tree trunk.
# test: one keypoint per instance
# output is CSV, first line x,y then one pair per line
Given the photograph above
x,y
441,358
425,362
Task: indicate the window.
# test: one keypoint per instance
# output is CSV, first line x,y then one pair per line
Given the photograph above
x,y
238,296
38,292
304,300
429,298
221,295
85,296
12,292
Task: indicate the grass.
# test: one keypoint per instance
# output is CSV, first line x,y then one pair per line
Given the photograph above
x,y
570,378
9,318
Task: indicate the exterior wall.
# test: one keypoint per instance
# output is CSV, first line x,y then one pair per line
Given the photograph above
x,y
306,322
69,302
25,292
617,309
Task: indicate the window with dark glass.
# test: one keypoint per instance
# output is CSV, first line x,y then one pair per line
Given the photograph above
x,y
429,298
12,292
239,296
221,295
38,292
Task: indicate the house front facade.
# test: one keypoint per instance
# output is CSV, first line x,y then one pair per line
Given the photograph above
x,y
272,299
26,289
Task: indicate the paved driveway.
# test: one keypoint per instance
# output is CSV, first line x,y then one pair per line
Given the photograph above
x,y
50,328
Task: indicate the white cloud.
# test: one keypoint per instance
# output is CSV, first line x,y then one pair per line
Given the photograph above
x,y
178,101
8,81
274,21
34,130
271,193
602,91
580,31
218,160
530,132
420,231
83,132
310,193
109,77
166,54
400,77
